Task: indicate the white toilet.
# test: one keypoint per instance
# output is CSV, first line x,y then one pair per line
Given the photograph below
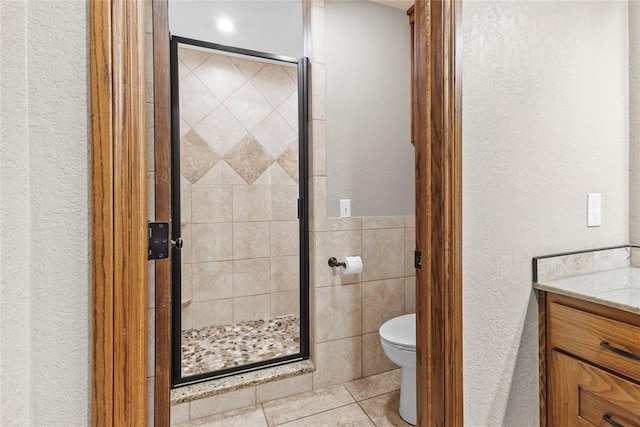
x,y
398,337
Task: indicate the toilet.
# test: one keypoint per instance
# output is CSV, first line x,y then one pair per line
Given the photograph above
x,y
398,338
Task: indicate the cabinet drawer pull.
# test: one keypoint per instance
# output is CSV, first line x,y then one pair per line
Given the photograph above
x,y
619,351
607,418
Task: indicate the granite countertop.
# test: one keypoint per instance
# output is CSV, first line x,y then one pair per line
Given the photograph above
x,y
618,288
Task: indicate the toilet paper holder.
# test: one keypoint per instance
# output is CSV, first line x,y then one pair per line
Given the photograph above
x,y
333,262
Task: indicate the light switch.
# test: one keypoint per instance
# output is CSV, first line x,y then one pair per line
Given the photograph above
x,y
345,208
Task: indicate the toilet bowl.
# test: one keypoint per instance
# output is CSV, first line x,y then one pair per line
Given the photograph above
x,y
398,338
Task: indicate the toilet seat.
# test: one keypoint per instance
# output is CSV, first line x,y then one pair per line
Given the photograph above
x,y
400,332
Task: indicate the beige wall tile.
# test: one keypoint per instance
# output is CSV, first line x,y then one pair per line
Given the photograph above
x,y
150,399
185,203
222,403
383,253
186,317
249,158
274,134
375,222
338,361
285,273
251,277
251,203
319,148
284,203
318,106
339,311
222,174
248,106
410,294
317,34
301,405
179,413
212,280
151,317
274,83
285,303
285,238
410,221
250,240
211,203
185,252
152,284
338,224
254,307
335,244
382,300
289,108
151,208
211,242
275,175
374,361
318,211
409,250
210,313
186,282
196,102
283,388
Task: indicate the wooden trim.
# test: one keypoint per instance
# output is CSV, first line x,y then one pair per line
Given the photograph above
x,y
162,143
542,355
102,268
439,212
119,212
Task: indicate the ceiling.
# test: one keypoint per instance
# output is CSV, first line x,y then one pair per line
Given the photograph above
x,y
398,4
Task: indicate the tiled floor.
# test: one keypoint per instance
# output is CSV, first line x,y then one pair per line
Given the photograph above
x,y
371,401
224,346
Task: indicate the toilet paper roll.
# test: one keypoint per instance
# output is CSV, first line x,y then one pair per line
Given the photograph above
x,y
353,265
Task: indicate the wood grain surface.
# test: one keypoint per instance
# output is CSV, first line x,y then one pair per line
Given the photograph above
x,y
119,212
438,124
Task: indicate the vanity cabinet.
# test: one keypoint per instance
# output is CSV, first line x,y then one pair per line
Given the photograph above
x,y
589,363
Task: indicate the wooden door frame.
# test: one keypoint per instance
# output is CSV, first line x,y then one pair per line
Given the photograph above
x,y
118,198
438,125
118,213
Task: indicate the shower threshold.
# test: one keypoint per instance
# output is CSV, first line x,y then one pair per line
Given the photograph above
x,y
216,347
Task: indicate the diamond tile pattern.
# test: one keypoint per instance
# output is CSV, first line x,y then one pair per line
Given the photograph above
x,y
274,83
289,161
248,67
221,130
196,102
243,110
192,58
249,159
249,106
274,134
196,156
220,75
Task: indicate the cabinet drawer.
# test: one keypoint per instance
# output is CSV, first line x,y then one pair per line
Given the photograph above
x,y
609,343
583,395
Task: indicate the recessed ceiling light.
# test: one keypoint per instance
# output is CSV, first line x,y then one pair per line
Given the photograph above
x,y
225,25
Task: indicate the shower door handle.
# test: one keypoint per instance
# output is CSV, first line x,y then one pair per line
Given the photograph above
x,y
177,243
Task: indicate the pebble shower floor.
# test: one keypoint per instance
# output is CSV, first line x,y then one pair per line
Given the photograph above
x,y
224,346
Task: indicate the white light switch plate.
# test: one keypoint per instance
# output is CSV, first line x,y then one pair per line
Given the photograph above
x,y
345,208
594,209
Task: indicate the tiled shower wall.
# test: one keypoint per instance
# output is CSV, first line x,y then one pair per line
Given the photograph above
x,y
239,188
346,310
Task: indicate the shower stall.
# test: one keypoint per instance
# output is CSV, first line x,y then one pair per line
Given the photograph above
x,y
239,210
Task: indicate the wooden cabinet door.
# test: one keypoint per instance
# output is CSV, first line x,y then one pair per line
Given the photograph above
x,y
583,395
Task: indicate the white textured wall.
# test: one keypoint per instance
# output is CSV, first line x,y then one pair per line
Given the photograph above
x,y
270,26
44,214
634,122
368,101
545,99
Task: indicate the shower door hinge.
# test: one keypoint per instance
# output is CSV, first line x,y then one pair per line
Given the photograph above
x,y
417,259
158,240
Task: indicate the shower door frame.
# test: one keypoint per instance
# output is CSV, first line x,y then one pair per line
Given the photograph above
x,y
302,66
